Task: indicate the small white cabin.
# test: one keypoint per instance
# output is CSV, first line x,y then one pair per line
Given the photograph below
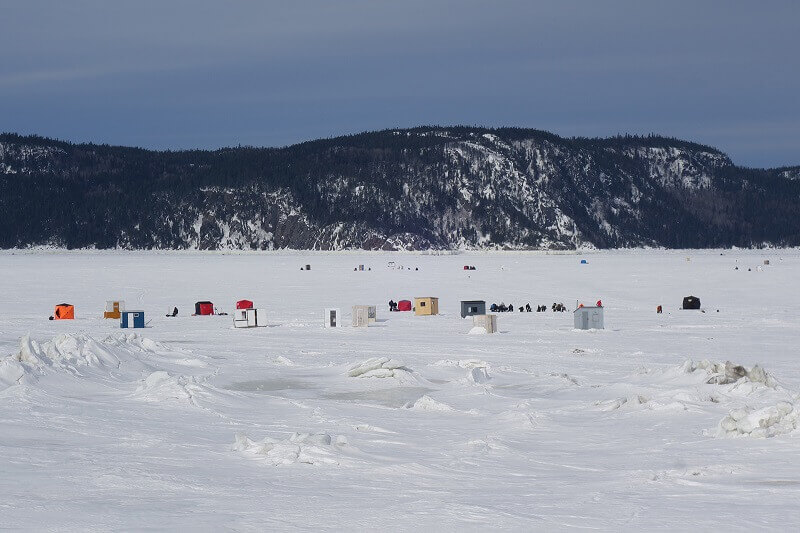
x,y
332,317
588,318
487,322
249,318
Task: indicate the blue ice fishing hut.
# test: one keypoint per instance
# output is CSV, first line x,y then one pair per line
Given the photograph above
x,y
131,319
584,262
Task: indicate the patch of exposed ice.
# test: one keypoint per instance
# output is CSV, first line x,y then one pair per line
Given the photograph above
x,y
305,448
379,367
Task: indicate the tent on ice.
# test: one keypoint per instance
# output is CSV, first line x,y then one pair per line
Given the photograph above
x,y
64,312
114,308
426,305
204,308
691,302
404,305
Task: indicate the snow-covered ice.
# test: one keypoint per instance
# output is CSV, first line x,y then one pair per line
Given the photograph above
x,y
666,422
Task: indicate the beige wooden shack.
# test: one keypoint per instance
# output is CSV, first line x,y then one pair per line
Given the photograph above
x,y
361,316
114,309
426,305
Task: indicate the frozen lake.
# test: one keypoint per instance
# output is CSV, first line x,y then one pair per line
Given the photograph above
x,y
192,424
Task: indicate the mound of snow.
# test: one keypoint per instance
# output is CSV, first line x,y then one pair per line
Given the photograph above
x,y
306,448
728,373
379,367
426,403
136,342
617,403
66,351
477,330
462,363
767,422
162,386
642,403
11,372
478,375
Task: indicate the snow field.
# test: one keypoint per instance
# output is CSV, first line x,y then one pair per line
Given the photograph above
x,y
412,422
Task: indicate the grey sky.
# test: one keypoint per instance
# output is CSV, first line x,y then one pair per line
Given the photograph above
x,y
199,74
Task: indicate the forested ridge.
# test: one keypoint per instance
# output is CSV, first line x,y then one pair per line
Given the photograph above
x,y
427,187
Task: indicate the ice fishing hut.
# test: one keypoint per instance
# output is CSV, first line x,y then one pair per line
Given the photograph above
x,y
131,319
360,316
372,312
472,307
426,305
584,262
487,322
244,304
114,308
64,312
691,302
204,308
404,305
250,318
332,317
766,261
588,317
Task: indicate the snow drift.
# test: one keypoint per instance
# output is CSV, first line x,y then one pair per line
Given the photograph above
x,y
306,448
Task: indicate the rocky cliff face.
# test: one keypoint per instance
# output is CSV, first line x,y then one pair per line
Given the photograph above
x,y
466,188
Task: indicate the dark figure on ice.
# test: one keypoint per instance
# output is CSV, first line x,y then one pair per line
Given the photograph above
x,y
174,312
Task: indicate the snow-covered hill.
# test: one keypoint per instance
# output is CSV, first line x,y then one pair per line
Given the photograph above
x,y
443,188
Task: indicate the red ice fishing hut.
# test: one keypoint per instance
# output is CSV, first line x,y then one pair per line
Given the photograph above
x,y
204,308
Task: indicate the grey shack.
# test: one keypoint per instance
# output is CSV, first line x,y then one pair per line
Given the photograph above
x,y
588,318
472,307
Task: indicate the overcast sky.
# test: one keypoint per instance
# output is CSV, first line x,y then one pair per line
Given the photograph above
x,y
200,74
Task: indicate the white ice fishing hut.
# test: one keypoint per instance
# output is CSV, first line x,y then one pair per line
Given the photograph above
x,y
249,318
360,316
588,317
332,318
487,322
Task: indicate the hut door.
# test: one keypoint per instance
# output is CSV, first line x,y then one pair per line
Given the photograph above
x,y
585,320
332,319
